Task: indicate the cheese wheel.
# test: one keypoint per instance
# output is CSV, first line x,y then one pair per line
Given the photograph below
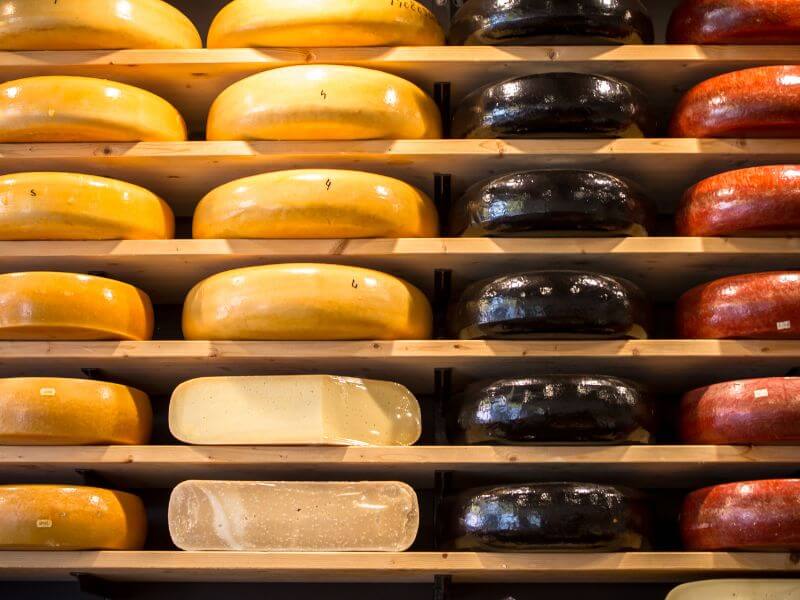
x,y
305,302
94,25
755,306
294,410
54,517
545,517
738,589
323,102
735,22
315,203
748,411
324,23
763,102
751,516
41,305
73,206
51,411
281,516
84,109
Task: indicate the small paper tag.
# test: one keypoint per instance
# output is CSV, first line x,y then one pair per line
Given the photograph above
x,y
781,325
44,523
762,393
47,392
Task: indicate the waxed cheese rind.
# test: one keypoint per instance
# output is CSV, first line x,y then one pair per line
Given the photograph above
x,y
738,589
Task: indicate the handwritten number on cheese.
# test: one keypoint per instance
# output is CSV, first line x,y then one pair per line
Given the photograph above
x,y
354,284
328,184
324,94
33,193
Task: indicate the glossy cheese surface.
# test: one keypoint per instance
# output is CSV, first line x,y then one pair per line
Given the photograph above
x,y
84,109
738,589
545,517
74,206
554,105
323,102
316,203
94,25
756,306
758,201
300,301
763,102
551,305
552,202
282,516
554,409
537,23
735,22
52,411
294,410
61,518
324,23
41,305
748,516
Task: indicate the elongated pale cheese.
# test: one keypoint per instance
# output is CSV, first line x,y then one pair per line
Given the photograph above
x,y
315,203
54,517
73,206
94,25
51,411
41,305
84,109
323,102
279,516
324,23
294,410
305,301
738,589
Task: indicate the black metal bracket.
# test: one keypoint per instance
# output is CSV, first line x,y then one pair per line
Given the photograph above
x,y
442,290
441,587
443,383
441,95
98,587
443,197
442,484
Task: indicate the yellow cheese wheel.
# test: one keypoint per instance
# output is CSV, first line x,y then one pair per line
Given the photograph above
x,y
52,411
324,23
323,102
315,203
58,517
84,109
305,302
94,25
73,206
42,305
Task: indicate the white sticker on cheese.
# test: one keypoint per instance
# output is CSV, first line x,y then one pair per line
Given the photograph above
x,y
781,325
44,523
762,393
47,392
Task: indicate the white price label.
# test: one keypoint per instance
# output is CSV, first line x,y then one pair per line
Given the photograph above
x,y
781,325
44,523
762,393
47,392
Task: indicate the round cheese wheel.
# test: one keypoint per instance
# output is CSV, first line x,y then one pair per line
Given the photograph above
x,y
55,517
752,515
74,206
323,102
316,203
51,411
554,202
94,25
763,102
551,305
537,23
759,201
735,22
305,302
324,23
41,305
757,306
84,109
748,411
545,517
738,589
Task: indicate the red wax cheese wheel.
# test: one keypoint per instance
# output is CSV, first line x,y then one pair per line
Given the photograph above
x,y
754,306
735,22
749,411
757,201
763,102
752,515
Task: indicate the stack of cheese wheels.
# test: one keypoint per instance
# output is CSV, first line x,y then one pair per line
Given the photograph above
x,y
324,23
752,515
756,306
280,516
94,25
50,411
73,206
735,22
323,102
294,410
40,305
56,517
315,203
306,302
738,589
84,109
